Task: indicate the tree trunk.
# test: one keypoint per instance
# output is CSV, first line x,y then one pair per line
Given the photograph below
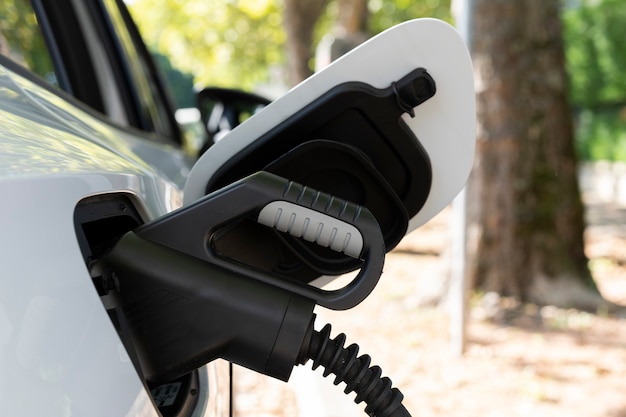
x,y
300,19
352,17
525,216
351,27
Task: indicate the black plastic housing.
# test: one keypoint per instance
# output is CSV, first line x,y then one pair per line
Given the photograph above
x,y
345,172
356,114
351,143
184,304
183,312
194,230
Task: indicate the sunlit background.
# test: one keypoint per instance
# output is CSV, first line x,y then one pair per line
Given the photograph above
x,y
241,44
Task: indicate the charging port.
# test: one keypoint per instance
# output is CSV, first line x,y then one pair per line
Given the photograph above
x,y
100,221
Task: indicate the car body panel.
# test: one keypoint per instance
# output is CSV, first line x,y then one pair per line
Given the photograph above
x,y
59,352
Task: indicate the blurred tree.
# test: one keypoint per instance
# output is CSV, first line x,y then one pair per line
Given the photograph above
x,y
243,43
300,19
349,23
387,13
21,39
525,212
594,33
225,43
352,16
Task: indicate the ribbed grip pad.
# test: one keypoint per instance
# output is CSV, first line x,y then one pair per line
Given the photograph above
x,y
304,213
313,226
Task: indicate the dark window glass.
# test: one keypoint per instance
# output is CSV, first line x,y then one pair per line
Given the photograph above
x,y
152,104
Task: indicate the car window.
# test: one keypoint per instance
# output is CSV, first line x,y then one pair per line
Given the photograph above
x,y
91,50
21,39
152,102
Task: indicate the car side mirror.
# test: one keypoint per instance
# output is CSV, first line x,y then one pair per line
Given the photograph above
x,y
223,109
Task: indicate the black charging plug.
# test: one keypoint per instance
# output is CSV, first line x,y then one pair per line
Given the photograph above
x,y
184,306
183,313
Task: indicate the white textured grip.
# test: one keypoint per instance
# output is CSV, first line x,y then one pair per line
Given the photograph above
x,y
313,226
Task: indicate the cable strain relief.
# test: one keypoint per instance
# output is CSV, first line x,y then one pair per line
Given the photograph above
x,y
367,382
303,356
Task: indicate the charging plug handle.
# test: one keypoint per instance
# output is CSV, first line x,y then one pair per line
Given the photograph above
x,y
290,208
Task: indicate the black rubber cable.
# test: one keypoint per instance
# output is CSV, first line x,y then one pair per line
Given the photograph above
x,y
380,398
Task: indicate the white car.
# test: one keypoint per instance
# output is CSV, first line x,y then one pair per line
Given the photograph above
x,y
118,300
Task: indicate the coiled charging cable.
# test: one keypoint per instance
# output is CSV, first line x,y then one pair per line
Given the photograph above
x,y
367,382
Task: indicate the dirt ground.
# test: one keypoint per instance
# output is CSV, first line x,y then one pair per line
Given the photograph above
x,y
520,360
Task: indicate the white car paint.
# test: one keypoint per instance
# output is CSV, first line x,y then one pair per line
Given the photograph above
x,y
59,352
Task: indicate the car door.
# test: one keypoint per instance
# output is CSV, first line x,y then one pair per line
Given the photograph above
x,y
89,148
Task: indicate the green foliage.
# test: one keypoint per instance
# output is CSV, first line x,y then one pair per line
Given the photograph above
x,y
240,43
231,43
601,135
594,33
387,13
21,39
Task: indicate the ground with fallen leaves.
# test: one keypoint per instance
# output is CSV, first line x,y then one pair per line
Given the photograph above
x,y
520,360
